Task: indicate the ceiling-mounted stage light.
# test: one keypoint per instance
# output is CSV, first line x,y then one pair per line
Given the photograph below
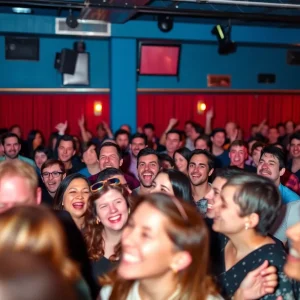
x,y
223,34
165,23
71,20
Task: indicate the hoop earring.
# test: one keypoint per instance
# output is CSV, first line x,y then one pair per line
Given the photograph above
x,y
98,221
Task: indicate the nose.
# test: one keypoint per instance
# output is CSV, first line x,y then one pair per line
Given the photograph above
x,y
112,208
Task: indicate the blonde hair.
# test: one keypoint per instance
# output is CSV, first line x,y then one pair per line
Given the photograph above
x,y
35,229
18,168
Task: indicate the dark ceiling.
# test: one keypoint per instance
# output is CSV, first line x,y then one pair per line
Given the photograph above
x,y
281,13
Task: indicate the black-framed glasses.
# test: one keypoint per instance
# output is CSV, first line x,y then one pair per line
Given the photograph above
x,y
99,185
54,174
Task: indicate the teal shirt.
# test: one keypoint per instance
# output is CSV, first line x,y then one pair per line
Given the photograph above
x,y
22,158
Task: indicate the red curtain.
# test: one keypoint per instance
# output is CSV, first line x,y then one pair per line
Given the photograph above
x,y
244,109
45,111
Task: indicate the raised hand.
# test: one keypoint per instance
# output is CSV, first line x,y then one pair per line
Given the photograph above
x,y
62,127
81,121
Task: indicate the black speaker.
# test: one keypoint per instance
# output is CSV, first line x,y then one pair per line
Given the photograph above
x,y
293,57
266,78
22,48
65,61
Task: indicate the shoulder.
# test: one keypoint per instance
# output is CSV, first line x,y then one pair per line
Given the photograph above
x,y
27,160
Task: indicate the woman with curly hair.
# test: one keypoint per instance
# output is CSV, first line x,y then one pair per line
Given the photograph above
x,y
106,216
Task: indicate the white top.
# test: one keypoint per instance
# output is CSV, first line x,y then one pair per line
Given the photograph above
x,y
134,293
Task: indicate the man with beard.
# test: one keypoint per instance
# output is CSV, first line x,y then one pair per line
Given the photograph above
x,y
200,167
147,166
12,147
137,143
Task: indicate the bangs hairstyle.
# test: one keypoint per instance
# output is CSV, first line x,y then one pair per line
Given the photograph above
x,y
187,234
36,230
93,231
256,194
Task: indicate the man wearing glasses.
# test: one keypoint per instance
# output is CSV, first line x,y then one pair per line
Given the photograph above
x,y
52,173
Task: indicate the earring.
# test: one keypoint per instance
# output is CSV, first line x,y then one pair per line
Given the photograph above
x,y
174,271
98,221
247,226
129,211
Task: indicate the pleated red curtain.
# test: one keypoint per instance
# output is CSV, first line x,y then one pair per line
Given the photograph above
x,y
245,109
43,112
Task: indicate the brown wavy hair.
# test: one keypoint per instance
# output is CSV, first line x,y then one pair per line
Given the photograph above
x,y
93,232
188,232
35,229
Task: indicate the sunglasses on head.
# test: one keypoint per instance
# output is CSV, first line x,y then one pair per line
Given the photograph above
x,y
99,185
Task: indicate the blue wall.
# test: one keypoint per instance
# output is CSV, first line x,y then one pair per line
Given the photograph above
x,y
197,61
41,74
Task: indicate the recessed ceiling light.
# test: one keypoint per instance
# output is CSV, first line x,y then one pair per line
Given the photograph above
x,y
21,10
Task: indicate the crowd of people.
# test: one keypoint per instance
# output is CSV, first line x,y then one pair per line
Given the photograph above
x,y
200,213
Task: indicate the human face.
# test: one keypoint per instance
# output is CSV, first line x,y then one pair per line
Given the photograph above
x,y
136,145
90,156
76,197
218,139
238,155
230,129
268,166
1,149
15,190
201,144
38,140
109,158
149,133
292,266
289,127
143,256
112,210
227,220
265,130
162,184
148,168
254,130
273,135
166,165
52,183
11,147
213,197
65,151
181,163
40,158
256,155
123,141
17,130
281,130
198,169
295,148
188,129
173,142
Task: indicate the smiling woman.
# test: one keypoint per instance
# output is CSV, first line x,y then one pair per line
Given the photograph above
x,y
72,196
107,214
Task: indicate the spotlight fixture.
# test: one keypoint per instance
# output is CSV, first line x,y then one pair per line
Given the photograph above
x,y
72,21
223,34
165,23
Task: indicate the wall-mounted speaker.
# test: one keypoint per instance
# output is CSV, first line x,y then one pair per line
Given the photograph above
x,y
22,48
65,61
266,78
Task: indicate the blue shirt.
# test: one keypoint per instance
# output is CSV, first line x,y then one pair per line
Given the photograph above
x,y
85,172
23,158
287,195
222,160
